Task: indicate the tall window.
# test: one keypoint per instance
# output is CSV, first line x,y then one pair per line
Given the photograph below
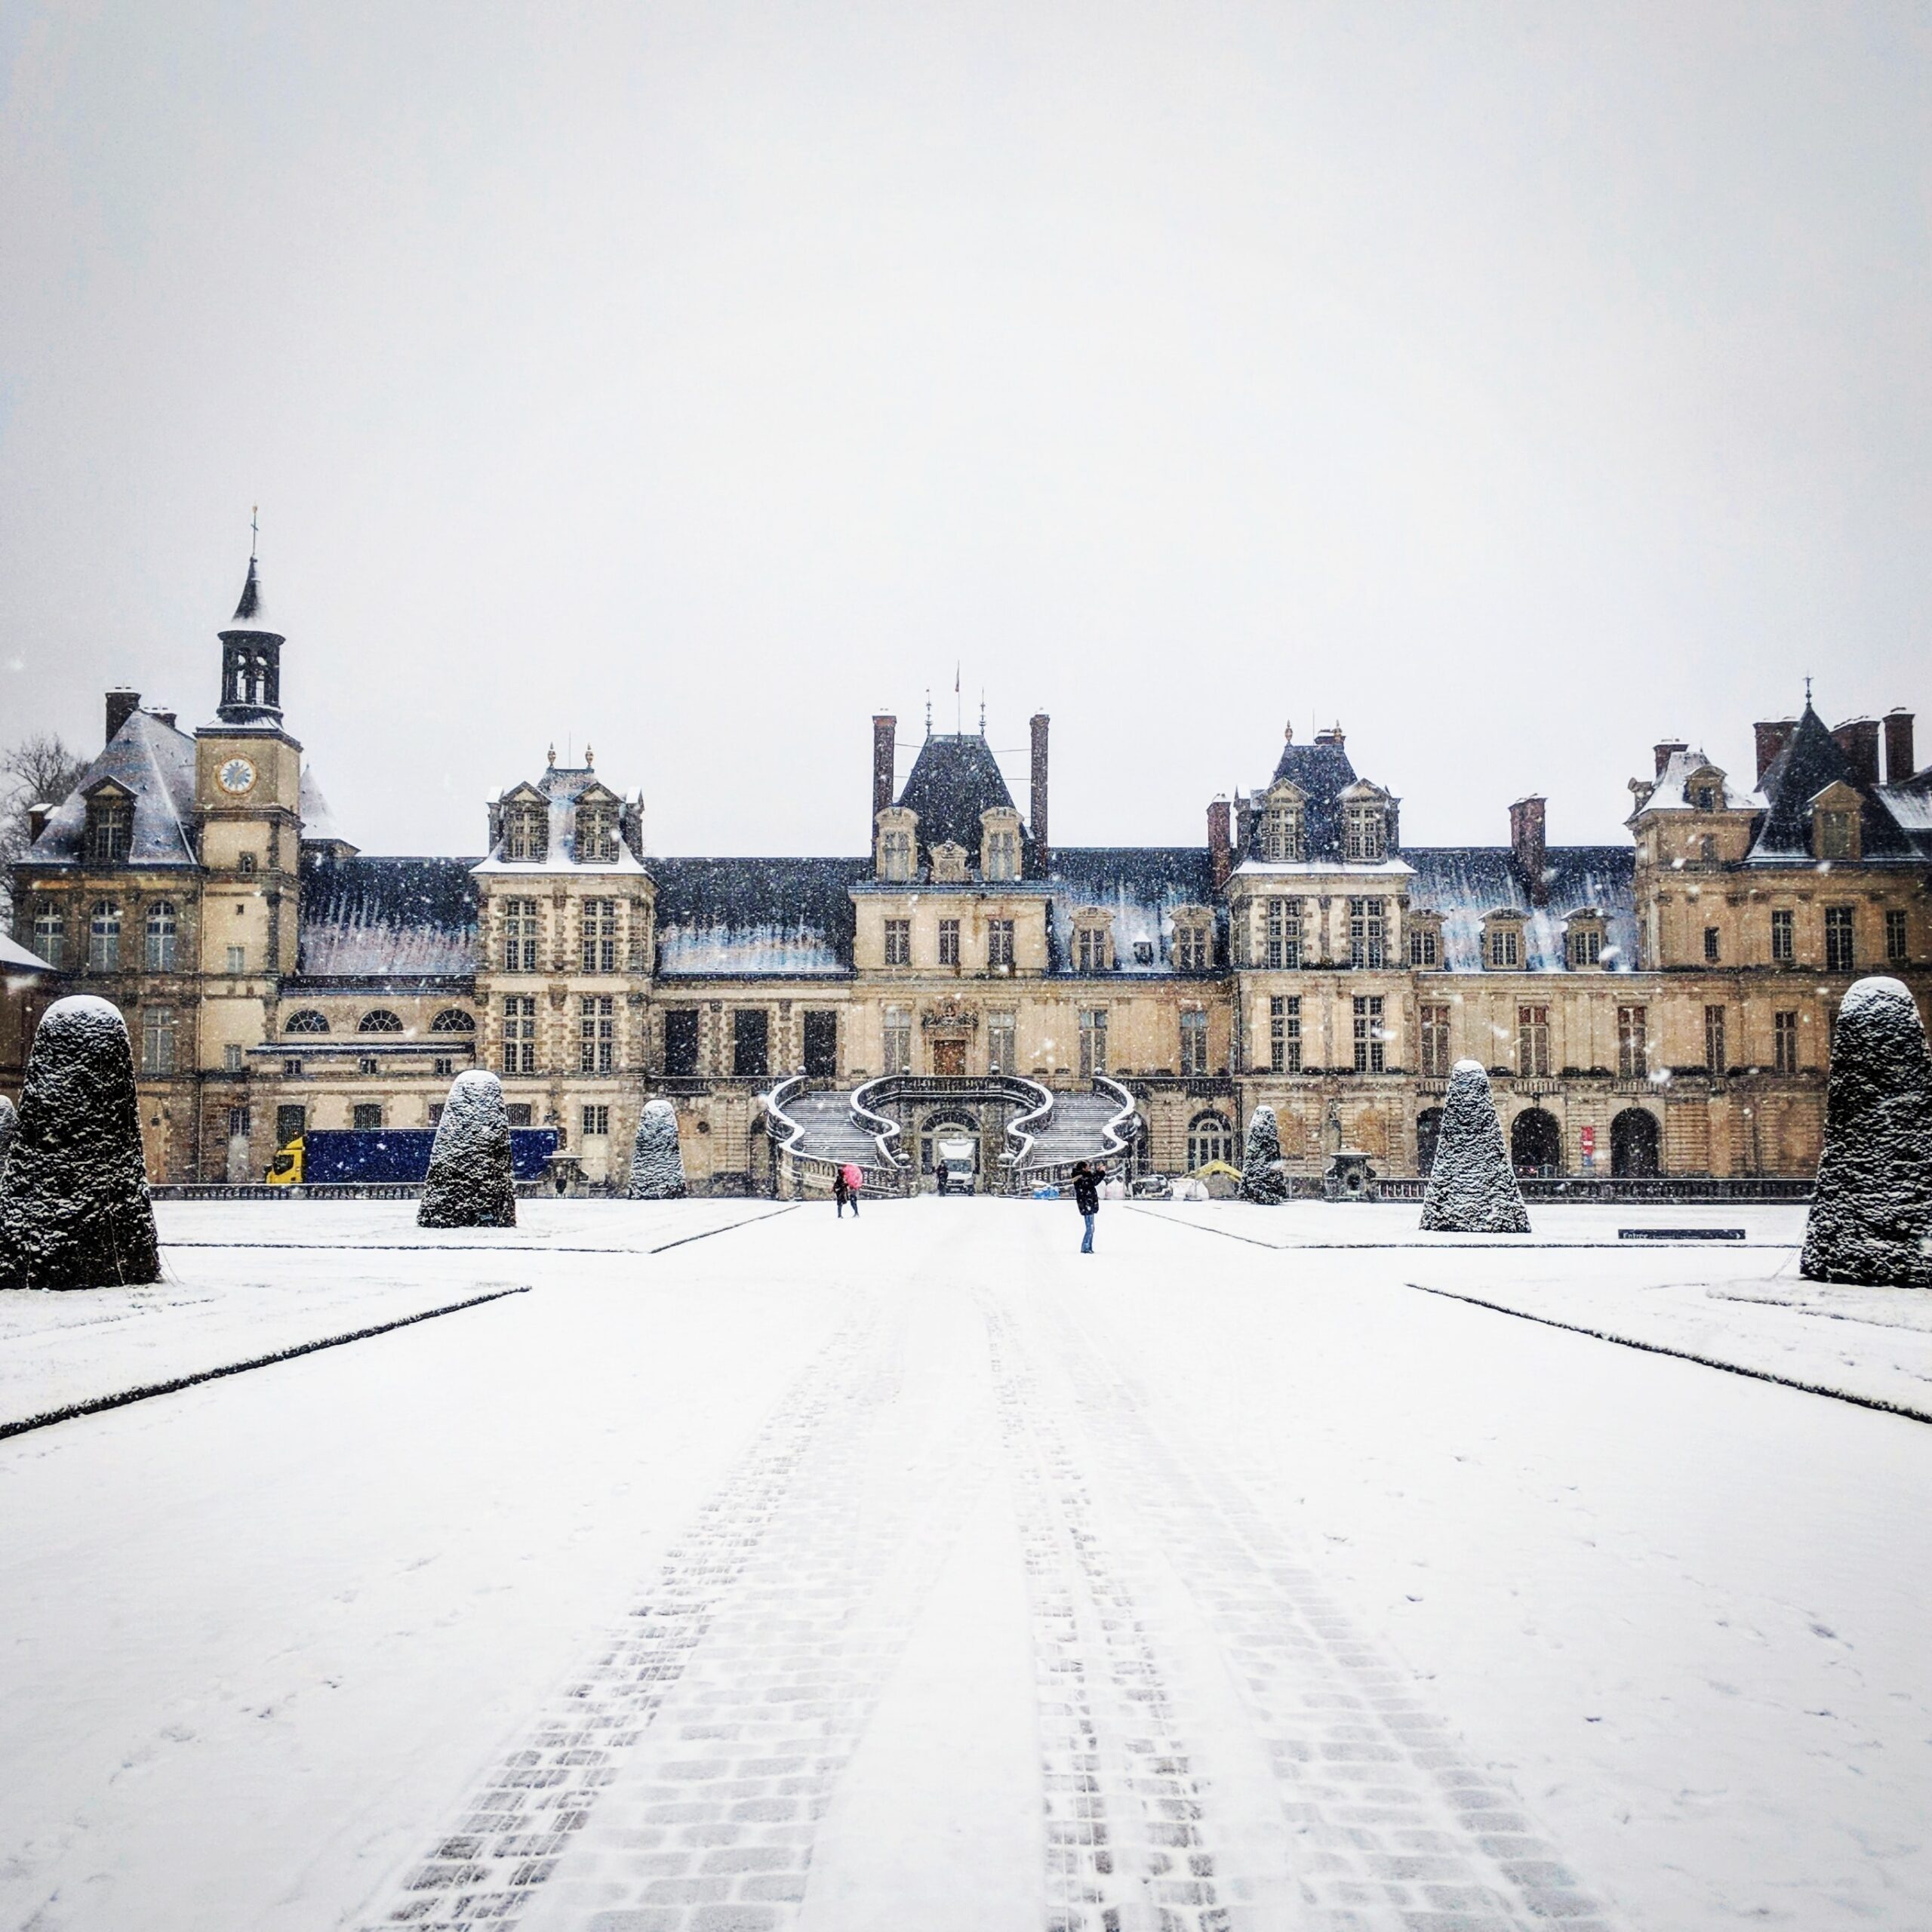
x,y
596,834
50,933
527,836
1089,949
597,1033
161,937
948,942
1840,955
1896,953
1194,1044
1436,1042
600,935
1368,833
1784,949
520,1034
1002,855
1284,1033
1425,946
1001,1057
1366,927
681,1040
110,829
1633,1051
237,959
1368,1041
1585,944
1836,838
751,1033
1713,945
1532,1042
1192,951
1210,1137
895,852
1784,1042
999,942
157,1039
1284,935
596,1122
1715,1056
1281,833
899,1039
1505,946
520,935
1092,1040
898,941
104,938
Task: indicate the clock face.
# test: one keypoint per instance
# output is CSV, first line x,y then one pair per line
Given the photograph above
x,y
237,776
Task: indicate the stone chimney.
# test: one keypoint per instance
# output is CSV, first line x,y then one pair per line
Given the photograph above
x,y
1858,738
1037,794
885,731
1667,749
167,718
1220,857
1773,734
1333,736
1526,843
1244,820
123,704
38,815
1898,746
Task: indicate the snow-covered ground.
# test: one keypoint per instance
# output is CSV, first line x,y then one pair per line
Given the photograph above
x,y
920,1572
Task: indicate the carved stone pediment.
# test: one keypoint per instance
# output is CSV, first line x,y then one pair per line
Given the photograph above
x,y
949,1016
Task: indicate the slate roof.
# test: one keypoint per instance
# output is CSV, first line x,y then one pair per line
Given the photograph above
x,y
1910,803
1139,887
318,825
249,614
156,763
366,917
1466,883
1811,762
954,780
17,959
772,918
1322,771
1672,792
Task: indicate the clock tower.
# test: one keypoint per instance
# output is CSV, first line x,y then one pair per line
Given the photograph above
x,y
247,801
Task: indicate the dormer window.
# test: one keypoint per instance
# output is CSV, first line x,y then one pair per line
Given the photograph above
x,y
949,864
1283,832
1704,797
1503,943
1093,942
1583,941
999,845
1194,939
1837,834
1424,942
1367,834
527,835
110,830
596,834
896,855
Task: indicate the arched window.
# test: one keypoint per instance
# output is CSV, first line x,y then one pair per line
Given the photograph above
x,y
452,1019
379,1020
50,933
104,938
161,929
1536,1142
1210,1137
1633,1144
307,1021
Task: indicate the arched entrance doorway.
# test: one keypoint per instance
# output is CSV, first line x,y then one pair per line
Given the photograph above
x,y
1536,1142
1211,1136
953,1124
1633,1144
1428,1132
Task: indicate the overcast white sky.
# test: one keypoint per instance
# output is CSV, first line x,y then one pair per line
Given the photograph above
x,y
1517,384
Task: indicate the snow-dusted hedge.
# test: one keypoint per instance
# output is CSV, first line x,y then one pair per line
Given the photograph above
x,y
74,1209
1472,1187
1871,1218
1264,1177
657,1162
470,1183
10,1120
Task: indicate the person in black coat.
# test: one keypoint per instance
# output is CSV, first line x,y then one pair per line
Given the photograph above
x,y
1087,1198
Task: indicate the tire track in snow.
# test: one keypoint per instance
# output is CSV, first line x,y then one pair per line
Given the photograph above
x,y
678,1781
1393,1826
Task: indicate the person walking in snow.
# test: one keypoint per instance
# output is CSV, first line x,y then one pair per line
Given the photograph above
x,y
845,1188
1087,1198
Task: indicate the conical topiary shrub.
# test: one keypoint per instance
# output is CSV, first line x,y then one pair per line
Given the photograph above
x,y
470,1183
1471,1187
657,1162
1263,1178
10,1120
1871,1218
74,1208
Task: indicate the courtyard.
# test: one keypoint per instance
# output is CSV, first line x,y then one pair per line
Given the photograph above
x,y
716,1566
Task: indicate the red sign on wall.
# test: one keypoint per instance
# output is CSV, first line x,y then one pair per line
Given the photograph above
x,y
1589,1142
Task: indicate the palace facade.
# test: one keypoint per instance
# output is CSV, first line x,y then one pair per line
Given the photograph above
x,y
1660,1006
